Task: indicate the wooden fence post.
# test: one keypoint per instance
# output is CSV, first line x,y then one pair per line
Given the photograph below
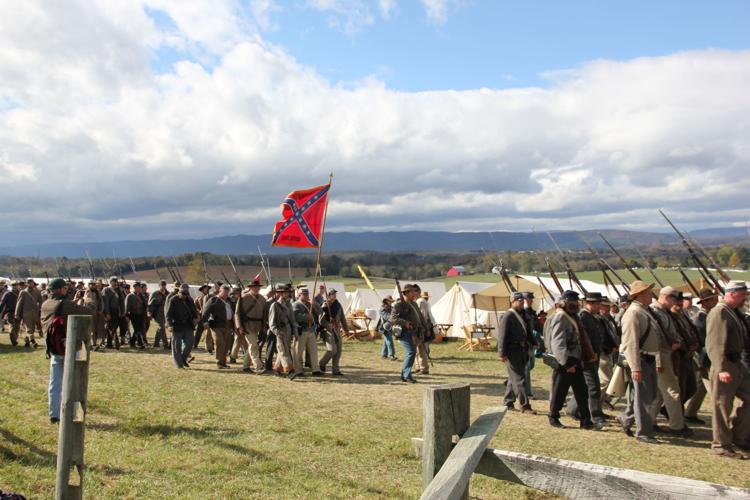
x,y
69,483
446,411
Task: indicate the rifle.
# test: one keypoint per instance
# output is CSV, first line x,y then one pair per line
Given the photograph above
x,y
694,256
604,266
506,278
689,283
571,274
711,261
267,269
237,275
172,275
226,280
158,274
205,271
46,276
622,259
648,268
91,265
544,287
554,276
289,263
132,266
177,270
398,287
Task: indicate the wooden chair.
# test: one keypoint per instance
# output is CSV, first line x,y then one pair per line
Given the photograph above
x,y
476,337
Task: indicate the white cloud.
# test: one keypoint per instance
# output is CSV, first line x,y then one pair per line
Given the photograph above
x,y
386,7
207,150
347,16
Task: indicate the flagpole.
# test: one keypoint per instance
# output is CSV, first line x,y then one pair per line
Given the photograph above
x,y
322,233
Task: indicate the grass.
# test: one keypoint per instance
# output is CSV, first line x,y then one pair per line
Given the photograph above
x,y
155,432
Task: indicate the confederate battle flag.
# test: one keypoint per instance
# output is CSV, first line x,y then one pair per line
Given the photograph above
x,y
303,212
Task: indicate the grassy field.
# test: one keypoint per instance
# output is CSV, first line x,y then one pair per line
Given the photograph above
x,y
156,432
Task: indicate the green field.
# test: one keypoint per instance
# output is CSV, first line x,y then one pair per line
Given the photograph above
x,y
155,432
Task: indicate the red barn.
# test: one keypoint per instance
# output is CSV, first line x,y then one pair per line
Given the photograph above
x,y
456,271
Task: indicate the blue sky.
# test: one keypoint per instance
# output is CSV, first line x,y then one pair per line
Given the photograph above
x,y
495,44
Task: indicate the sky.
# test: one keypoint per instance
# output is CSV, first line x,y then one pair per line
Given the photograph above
x,y
144,119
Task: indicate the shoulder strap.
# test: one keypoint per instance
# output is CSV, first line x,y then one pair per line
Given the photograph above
x,y
520,320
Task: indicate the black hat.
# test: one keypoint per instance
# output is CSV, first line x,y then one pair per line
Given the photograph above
x,y
571,296
528,295
332,291
203,287
594,297
516,296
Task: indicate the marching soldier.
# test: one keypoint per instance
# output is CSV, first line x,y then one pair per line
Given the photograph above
x,y
334,321
513,343
281,322
407,324
726,336
250,319
707,301
92,299
8,310
181,315
533,325
307,315
237,340
640,345
269,338
157,312
690,345
27,312
567,341
670,343
111,310
602,346
422,359
218,317
135,310
199,302
122,322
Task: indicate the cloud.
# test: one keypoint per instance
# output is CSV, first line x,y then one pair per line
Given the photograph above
x,y
108,149
437,10
386,7
347,16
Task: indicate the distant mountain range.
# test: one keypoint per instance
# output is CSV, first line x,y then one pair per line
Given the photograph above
x,y
392,241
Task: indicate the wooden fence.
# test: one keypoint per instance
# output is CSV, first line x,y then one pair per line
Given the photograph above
x,y
452,451
69,484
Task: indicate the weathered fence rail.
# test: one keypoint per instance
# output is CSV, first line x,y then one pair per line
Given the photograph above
x,y
452,470
69,484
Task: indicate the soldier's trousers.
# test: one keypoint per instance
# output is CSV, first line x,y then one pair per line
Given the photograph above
x,y
270,346
15,326
305,342
593,387
239,341
161,333
644,393
123,324
30,325
422,359
137,337
686,376
182,344
284,363
562,381
728,429
111,329
606,366
199,330
701,391
515,387
221,336
333,351
668,394
252,351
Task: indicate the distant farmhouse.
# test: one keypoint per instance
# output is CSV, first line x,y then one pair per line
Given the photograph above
x,y
456,271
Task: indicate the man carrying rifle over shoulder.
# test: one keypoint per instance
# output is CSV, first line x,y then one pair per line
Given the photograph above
x,y
307,314
250,318
707,301
334,321
408,326
157,312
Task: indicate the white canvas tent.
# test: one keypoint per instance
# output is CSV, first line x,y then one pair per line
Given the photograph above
x,y
456,308
590,286
436,289
368,301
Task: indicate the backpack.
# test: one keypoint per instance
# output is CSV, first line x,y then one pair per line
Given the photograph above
x,y
56,332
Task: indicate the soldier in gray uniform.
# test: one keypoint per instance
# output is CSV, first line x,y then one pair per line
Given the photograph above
x,y
156,311
708,300
307,315
513,342
111,310
564,337
333,320
135,310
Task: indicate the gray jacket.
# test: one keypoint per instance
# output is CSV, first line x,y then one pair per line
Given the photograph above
x,y
563,340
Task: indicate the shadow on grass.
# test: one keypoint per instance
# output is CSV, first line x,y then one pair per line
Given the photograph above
x,y
21,349
33,455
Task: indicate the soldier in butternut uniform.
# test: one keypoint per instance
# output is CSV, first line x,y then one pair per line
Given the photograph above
x,y
156,311
8,310
111,309
199,302
707,301
281,322
307,315
27,312
726,335
92,299
135,309
250,319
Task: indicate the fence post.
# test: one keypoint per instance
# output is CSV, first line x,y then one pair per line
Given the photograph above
x,y
446,411
69,484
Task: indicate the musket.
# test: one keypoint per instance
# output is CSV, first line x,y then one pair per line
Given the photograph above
x,y
544,287
177,270
553,276
571,274
694,256
172,274
267,268
289,263
91,265
59,271
689,283
158,274
132,266
711,260
398,287
604,266
236,274
648,268
46,276
506,278
622,259
205,271
226,280
107,269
